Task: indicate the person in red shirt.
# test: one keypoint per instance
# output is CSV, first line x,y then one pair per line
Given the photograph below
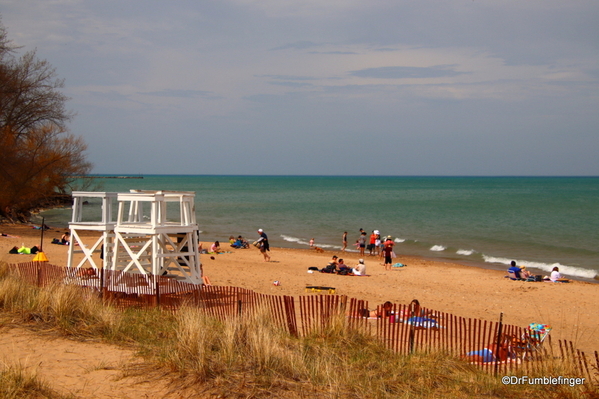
x,y
387,253
372,243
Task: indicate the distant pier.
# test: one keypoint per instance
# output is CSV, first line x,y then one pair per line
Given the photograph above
x,y
108,177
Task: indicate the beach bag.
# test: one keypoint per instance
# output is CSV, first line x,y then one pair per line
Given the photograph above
x,y
256,244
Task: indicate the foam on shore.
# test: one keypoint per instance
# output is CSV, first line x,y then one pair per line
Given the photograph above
x,y
547,267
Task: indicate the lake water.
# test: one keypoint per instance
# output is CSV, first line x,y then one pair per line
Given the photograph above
x,y
540,222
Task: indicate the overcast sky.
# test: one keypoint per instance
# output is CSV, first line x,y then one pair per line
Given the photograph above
x,y
325,87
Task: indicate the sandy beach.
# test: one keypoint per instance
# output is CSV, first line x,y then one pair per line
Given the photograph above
x,y
462,290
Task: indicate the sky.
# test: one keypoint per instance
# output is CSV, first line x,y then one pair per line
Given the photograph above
x,y
334,87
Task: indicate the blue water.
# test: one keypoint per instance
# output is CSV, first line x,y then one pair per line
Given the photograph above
x,y
540,222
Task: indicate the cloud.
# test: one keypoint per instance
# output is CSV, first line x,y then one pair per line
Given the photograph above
x,y
382,82
297,46
403,72
179,93
292,84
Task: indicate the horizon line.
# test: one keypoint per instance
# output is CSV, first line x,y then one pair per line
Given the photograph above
x,y
311,175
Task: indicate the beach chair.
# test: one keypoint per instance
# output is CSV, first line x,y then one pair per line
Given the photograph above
x,y
488,355
514,276
531,341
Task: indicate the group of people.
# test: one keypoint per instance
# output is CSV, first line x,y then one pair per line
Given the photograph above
x,y
338,266
377,246
238,242
521,273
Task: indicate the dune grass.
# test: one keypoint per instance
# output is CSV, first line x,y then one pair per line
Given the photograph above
x,y
250,356
17,383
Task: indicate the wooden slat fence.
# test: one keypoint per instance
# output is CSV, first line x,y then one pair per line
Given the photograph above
x,y
494,346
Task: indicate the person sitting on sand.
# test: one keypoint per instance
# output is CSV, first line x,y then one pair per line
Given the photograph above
x,y
240,243
525,274
66,238
215,247
360,269
515,270
556,276
332,266
342,268
383,311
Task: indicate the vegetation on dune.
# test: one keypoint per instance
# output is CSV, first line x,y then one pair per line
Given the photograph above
x,y
251,357
17,383
40,157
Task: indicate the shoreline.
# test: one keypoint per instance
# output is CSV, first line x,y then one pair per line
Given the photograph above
x,y
444,259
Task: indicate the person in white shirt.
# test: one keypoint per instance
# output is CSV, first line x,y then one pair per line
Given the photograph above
x,y
555,274
360,269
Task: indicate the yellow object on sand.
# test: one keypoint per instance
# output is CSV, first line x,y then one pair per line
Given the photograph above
x,y
40,257
330,290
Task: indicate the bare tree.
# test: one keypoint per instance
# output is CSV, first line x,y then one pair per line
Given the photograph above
x,y
39,156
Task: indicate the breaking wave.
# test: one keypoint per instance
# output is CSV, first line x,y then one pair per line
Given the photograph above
x,y
566,270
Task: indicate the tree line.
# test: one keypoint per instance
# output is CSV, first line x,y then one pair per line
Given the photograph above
x,y
40,158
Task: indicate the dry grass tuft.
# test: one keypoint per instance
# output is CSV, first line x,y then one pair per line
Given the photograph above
x,y
16,382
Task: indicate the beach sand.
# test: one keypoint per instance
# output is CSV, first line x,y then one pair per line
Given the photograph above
x,y
467,291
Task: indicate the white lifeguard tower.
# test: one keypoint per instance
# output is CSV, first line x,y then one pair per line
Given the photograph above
x,y
103,223
155,233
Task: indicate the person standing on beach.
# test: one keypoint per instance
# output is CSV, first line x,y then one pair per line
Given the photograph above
x,y
362,243
344,241
371,243
264,246
377,243
387,253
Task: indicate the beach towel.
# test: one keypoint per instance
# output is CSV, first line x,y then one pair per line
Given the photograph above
x,y
422,322
399,265
484,355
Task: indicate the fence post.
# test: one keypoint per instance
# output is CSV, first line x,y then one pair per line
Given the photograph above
x,y
38,274
239,304
498,347
414,307
290,315
157,285
102,284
